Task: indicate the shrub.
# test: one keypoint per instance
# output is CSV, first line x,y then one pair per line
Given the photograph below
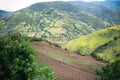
x,y
98,71
46,73
111,71
18,60
27,38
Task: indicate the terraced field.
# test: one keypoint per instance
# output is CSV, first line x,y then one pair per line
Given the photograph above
x,y
67,65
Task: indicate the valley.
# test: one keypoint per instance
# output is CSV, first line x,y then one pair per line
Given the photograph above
x,y
73,40
52,22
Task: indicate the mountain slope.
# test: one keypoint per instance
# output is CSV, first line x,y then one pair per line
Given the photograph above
x,y
55,21
3,13
67,65
113,4
102,44
106,10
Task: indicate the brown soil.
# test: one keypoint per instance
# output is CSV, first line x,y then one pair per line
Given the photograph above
x,y
65,71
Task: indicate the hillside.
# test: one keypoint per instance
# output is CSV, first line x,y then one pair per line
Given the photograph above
x,y
102,44
55,21
61,41
3,13
106,10
67,65
112,4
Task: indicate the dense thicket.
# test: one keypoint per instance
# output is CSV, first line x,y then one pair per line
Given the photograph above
x,y
111,71
18,61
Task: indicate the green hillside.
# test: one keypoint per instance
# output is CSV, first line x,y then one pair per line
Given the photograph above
x,y
3,13
103,44
55,21
106,10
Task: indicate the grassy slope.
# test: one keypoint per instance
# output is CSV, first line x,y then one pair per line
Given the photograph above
x,y
68,57
102,44
51,21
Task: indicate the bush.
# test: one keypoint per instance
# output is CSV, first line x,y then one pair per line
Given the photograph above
x,y
46,73
98,71
18,60
27,38
111,71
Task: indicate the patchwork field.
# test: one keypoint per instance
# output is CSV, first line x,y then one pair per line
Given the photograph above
x,y
67,65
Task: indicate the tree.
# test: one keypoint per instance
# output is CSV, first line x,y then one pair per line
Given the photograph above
x,y
111,71
18,60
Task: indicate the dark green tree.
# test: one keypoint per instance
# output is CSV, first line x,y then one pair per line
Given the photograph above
x,y
18,61
111,71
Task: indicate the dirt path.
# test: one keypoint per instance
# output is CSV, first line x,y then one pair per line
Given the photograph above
x,y
65,71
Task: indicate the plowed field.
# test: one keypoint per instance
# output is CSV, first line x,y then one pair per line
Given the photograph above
x,y
67,65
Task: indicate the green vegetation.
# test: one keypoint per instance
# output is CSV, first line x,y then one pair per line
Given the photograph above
x,y
111,71
3,13
107,10
18,61
59,23
46,73
102,44
51,21
31,39
62,56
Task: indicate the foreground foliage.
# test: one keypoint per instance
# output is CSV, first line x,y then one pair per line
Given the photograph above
x,y
46,73
111,71
18,61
